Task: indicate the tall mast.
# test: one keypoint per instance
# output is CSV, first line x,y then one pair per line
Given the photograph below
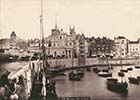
x,y
43,52
72,52
0,19
42,40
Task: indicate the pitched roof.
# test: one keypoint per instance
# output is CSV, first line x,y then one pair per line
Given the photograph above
x,y
133,42
120,37
13,34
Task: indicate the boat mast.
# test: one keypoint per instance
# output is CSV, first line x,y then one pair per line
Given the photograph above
x,y
121,58
121,62
0,20
43,51
42,33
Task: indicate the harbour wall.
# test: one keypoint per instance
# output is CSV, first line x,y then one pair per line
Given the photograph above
x,y
92,61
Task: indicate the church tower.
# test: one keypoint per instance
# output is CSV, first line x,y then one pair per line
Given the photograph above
x,y
72,30
13,39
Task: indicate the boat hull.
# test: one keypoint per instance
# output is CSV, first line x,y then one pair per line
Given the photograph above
x,y
117,86
74,77
133,80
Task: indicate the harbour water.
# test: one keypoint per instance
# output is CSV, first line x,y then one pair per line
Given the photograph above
x,y
91,84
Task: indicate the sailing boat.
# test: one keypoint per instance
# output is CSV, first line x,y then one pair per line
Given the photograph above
x,y
114,85
133,79
105,72
121,73
74,76
42,86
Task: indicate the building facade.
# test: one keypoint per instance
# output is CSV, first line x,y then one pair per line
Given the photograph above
x,y
134,48
60,44
100,46
121,46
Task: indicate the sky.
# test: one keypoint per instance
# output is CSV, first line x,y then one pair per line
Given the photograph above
x,y
109,18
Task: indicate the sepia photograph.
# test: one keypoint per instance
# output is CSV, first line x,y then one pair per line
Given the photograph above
x,y
69,49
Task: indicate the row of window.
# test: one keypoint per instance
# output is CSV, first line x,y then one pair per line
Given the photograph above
x,y
134,49
56,44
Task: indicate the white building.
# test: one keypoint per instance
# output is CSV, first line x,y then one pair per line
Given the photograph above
x,y
121,46
134,48
60,44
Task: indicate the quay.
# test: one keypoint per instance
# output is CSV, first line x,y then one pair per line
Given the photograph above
x,y
26,67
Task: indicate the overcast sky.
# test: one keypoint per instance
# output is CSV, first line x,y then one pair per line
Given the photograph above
x,y
92,17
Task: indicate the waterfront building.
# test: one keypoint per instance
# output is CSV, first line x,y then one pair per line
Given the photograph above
x,y
121,46
134,48
13,45
100,46
60,44
4,43
34,45
81,48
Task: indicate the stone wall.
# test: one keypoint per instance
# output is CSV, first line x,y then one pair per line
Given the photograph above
x,y
90,61
63,62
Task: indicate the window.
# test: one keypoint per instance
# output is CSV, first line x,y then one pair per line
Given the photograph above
x,y
49,45
122,42
60,37
70,43
66,44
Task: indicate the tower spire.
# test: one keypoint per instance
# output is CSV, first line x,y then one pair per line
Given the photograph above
x,y
56,19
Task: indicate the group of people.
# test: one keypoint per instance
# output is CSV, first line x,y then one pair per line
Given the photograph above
x,y
11,89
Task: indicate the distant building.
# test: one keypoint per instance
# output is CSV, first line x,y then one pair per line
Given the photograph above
x,y
134,48
34,45
100,46
121,46
81,48
13,39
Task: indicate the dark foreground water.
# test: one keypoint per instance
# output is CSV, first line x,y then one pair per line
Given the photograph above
x,y
91,84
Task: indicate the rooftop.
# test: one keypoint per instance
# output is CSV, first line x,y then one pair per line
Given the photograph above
x,y
13,34
120,37
133,42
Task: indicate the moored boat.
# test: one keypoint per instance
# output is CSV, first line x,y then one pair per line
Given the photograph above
x,y
116,86
112,79
105,70
80,72
133,80
105,74
130,69
137,67
124,70
74,76
121,74
96,70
